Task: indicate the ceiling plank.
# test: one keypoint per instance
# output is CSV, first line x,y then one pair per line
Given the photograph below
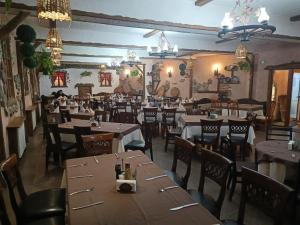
x,y
202,2
90,55
151,33
295,18
12,24
91,17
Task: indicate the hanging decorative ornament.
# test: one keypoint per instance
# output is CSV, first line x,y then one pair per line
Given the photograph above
x,y
54,10
53,40
241,52
56,57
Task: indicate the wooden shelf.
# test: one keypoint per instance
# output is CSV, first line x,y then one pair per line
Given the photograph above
x,y
15,122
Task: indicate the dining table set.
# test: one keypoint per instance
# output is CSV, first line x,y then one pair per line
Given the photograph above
x,y
92,195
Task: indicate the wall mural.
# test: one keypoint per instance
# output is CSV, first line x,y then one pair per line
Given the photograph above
x,y
203,87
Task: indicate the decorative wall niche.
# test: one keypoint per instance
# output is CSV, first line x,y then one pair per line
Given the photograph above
x,y
105,79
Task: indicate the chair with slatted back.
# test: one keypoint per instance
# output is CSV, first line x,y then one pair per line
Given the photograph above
x,y
97,144
41,204
121,106
233,108
183,152
170,126
79,131
210,133
216,168
100,115
150,116
135,145
135,109
126,117
266,194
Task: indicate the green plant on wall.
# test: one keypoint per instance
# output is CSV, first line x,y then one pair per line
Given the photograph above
x,y
7,5
44,62
134,73
244,66
86,74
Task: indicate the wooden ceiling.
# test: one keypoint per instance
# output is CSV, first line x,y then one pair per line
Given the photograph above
x,y
202,2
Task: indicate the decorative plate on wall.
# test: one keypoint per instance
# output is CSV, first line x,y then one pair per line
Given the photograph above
x,y
175,92
161,91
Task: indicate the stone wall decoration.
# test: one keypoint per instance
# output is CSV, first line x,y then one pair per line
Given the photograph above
x,y
17,81
105,79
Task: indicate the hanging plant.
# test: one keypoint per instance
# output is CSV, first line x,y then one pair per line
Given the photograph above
x,y
7,5
244,66
30,62
27,50
26,33
86,74
44,62
134,73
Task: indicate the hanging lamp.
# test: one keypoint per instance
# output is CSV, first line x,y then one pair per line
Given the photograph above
x,y
53,40
54,10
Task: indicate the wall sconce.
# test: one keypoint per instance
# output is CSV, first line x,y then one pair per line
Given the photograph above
x,y
216,69
170,71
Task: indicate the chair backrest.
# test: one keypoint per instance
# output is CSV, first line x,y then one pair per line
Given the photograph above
x,y
147,132
53,129
97,144
121,106
233,108
4,218
101,115
14,182
79,131
265,193
183,152
211,127
239,127
65,115
150,114
126,117
169,116
215,167
251,117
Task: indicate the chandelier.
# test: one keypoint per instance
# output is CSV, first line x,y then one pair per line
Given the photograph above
x,y
53,40
131,59
54,10
164,48
56,57
241,52
242,14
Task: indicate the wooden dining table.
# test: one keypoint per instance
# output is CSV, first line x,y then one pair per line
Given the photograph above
x,y
146,206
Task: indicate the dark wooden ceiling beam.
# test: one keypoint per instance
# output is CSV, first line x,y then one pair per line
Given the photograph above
x,y
295,18
202,2
92,17
12,24
90,55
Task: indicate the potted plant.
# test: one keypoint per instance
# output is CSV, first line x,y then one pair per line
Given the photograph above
x,y
44,62
244,66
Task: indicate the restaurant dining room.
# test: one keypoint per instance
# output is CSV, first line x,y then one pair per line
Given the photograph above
x,y
150,112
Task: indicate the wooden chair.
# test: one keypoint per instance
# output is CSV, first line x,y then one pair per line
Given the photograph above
x,y
121,106
35,206
150,116
65,115
100,115
140,145
215,167
135,109
170,126
97,144
126,117
233,108
183,152
210,133
79,131
268,195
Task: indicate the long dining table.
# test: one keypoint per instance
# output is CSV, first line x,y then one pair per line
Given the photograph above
x,y
148,205
123,132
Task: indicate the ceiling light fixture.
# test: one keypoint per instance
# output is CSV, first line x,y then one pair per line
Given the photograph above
x,y
53,40
164,48
131,59
54,10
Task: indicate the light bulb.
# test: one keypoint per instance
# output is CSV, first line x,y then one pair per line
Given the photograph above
x,y
149,49
263,16
166,47
175,49
159,49
227,21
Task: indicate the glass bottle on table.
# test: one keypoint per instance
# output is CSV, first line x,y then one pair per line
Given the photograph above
x,y
128,175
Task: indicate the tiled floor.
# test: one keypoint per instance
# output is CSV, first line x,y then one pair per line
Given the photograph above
x,y
36,178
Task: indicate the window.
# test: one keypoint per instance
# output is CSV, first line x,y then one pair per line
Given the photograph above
x,y
59,79
105,79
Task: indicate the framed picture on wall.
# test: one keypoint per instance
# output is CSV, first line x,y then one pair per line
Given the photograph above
x,y
105,79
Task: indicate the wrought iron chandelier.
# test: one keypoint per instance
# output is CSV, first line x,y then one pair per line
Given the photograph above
x,y
54,10
53,40
164,48
131,59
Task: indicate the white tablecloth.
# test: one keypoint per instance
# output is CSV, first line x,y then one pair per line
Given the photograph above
x,y
191,131
118,143
140,116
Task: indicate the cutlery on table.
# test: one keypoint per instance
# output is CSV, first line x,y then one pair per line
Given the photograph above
x,y
168,188
97,161
134,156
145,163
153,178
184,206
88,205
82,176
82,191
77,165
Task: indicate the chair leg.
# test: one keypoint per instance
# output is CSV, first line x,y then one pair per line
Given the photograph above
x,y
151,153
233,184
166,144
